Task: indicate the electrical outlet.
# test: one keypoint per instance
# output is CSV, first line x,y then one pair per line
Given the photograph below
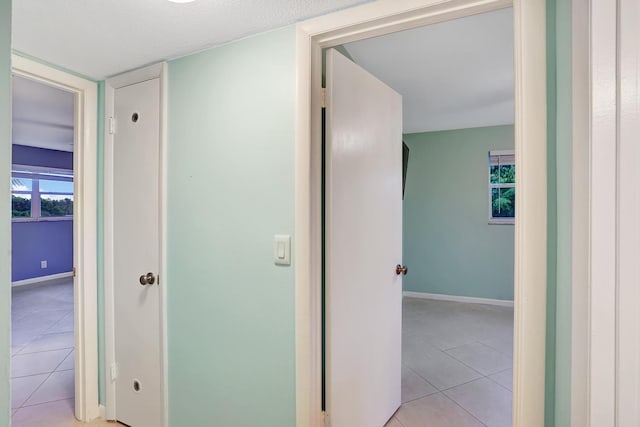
x,y
43,264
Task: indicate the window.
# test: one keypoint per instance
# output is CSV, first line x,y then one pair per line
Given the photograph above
x,y
41,193
502,187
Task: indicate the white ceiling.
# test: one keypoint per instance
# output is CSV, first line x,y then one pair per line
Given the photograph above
x,y
42,115
102,38
453,75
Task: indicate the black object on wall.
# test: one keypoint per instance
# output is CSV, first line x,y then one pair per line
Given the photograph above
x,y
405,163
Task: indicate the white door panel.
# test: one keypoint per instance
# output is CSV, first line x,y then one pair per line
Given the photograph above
x,y
136,252
363,294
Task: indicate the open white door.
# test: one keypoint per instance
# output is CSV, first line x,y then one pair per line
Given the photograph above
x,y
363,293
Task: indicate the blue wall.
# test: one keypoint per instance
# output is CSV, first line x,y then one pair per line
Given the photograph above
x,y
35,241
449,246
34,156
32,242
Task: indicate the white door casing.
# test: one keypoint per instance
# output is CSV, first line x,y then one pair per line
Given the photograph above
x,y
605,359
384,17
135,221
85,237
363,246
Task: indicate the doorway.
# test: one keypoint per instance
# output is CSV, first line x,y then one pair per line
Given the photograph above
x,y
530,230
55,355
456,82
42,360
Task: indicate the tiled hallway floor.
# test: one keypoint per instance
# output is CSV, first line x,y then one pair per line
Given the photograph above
x,y
456,365
42,356
457,362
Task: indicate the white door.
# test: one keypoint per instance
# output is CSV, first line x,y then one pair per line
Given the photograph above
x,y
136,254
363,293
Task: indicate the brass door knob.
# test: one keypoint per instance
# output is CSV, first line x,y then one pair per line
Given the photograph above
x,y
147,279
401,269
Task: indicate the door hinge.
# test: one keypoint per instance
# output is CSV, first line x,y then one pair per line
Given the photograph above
x,y
324,98
114,371
112,126
75,272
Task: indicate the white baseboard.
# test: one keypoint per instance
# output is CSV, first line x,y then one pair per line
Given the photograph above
x,y
455,298
103,412
41,279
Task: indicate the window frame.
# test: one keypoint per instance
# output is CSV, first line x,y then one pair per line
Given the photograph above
x,y
499,220
36,174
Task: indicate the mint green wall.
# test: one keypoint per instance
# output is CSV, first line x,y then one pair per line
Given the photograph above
x,y
5,221
100,252
449,246
552,220
230,189
564,197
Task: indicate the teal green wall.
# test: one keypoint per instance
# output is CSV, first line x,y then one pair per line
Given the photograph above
x,y
230,189
552,222
5,220
564,197
100,251
448,244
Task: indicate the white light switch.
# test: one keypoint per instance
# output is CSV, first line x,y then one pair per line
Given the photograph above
x,y
282,249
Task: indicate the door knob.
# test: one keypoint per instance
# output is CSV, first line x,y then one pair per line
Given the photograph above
x,y
401,269
147,279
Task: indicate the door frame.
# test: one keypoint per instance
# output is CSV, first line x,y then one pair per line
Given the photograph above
x,y
605,347
127,79
85,295
530,278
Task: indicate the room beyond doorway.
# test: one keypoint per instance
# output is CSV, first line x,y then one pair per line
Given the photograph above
x,y
84,268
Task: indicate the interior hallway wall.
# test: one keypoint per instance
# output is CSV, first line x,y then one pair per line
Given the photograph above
x,y
448,244
230,189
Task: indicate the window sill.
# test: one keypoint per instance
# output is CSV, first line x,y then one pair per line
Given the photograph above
x,y
501,221
43,219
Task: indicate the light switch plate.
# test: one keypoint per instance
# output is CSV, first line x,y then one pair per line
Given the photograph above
x,y
282,249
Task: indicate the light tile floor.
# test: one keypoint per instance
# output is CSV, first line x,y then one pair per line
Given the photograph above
x,y
42,366
42,357
457,362
456,365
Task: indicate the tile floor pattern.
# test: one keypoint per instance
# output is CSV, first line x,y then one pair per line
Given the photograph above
x,y
457,362
42,357
42,363
456,365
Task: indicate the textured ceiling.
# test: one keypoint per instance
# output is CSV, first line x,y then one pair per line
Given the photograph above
x,y
452,75
42,115
102,38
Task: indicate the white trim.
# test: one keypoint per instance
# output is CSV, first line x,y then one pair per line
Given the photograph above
x,y
456,298
605,377
132,77
386,16
502,153
504,221
102,412
162,278
628,298
580,213
40,279
42,219
85,227
601,375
